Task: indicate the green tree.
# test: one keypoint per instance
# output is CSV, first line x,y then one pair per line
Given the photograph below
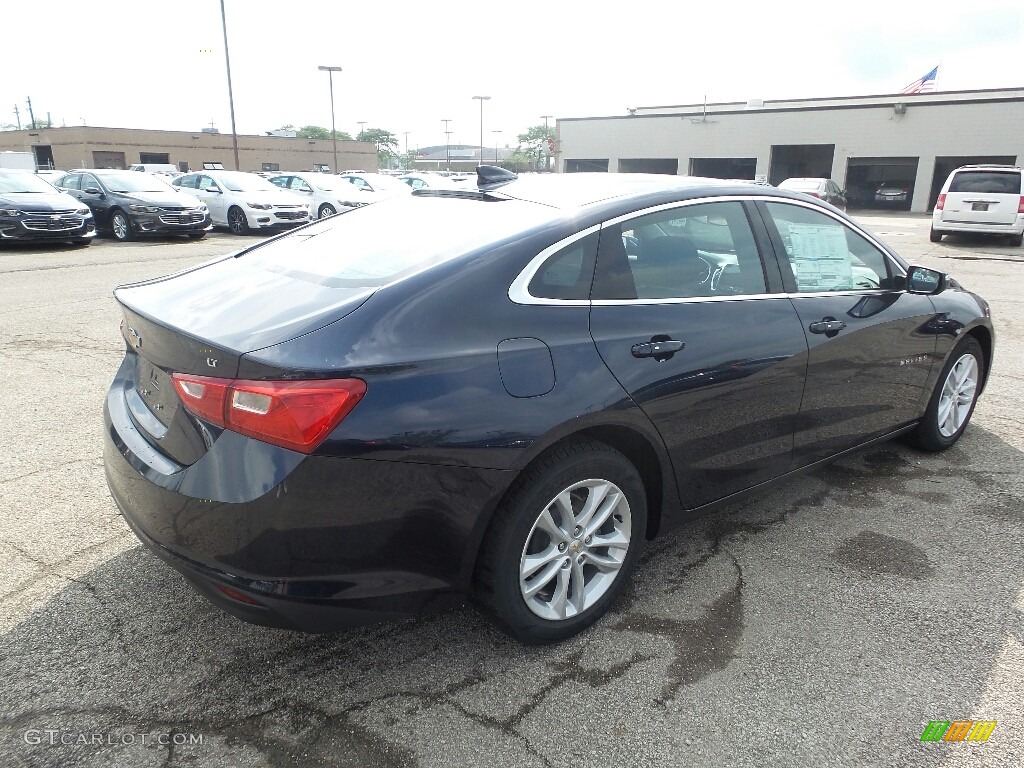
x,y
534,143
408,160
387,145
315,131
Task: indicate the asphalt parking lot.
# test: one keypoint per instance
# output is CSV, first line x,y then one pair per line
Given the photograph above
x,y
825,622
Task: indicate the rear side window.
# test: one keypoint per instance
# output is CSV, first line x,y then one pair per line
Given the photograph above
x,y
991,182
71,181
826,255
568,273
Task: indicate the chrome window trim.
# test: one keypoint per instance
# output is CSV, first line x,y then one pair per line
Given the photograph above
x,y
519,293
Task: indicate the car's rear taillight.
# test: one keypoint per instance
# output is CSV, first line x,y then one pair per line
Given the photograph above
x,y
297,415
941,202
1020,205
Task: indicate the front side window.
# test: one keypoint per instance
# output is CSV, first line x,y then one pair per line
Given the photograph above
x,y
89,182
186,181
691,251
826,255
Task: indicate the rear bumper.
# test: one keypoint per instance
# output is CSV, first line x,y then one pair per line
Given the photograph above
x,y
320,543
943,222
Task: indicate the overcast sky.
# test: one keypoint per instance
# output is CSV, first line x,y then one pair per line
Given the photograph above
x,y
407,65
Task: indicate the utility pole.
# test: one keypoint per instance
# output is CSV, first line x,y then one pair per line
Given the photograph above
x,y
31,116
231,95
447,144
17,116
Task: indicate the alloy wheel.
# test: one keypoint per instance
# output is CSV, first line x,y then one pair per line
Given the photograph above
x,y
575,549
958,392
120,226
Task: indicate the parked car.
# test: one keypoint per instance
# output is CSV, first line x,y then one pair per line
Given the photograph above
x,y
505,392
245,202
326,193
52,177
386,186
892,193
430,180
169,170
984,199
823,189
32,209
128,204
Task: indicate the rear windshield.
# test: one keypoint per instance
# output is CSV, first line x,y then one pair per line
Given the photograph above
x,y
377,244
992,182
800,185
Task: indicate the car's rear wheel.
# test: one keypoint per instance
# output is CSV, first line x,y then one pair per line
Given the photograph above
x,y
1017,240
563,543
952,403
120,226
326,210
934,236
237,222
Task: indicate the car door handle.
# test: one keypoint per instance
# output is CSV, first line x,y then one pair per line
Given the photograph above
x,y
662,350
828,325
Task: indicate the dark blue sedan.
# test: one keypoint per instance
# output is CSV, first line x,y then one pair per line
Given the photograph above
x,y
502,392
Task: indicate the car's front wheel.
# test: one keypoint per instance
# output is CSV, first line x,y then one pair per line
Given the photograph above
x,y
952,403
120,226
237,222
327,210
564,542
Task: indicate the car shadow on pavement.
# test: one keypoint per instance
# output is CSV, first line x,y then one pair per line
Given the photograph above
x,y
824,621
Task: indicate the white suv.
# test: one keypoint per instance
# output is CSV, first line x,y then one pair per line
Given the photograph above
x,y
987,199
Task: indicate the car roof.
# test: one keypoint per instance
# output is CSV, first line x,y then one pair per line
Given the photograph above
x,y
987,167
579,190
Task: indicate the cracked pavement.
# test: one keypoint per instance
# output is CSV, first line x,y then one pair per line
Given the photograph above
x,y
824,622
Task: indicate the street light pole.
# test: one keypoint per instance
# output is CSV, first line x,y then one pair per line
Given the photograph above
x,y
334,134
447,144
482,100
231,96
547,152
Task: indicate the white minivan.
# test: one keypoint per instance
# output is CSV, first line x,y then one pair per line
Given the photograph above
x,y
986,199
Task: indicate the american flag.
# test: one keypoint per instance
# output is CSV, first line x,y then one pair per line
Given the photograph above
x,y
923,84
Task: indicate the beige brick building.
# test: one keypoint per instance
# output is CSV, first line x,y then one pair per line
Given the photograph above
x,y
88,147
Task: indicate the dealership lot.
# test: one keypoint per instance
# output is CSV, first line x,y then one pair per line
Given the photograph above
x,y
825,622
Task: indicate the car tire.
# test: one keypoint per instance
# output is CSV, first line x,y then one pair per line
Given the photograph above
x,y
196,235
934,236
237,222
573,579
1017,240
952,403
121,227
326,210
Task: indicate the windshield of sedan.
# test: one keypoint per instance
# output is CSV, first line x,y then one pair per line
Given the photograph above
x,y
24,183
245,182
380,243
133,182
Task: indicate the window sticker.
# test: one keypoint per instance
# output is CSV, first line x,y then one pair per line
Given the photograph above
x,y
820,256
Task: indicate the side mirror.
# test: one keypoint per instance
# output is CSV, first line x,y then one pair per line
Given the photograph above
x,y
212,189
925,281
92,191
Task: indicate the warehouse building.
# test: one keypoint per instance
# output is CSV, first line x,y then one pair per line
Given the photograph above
x,y
89,147
863,143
